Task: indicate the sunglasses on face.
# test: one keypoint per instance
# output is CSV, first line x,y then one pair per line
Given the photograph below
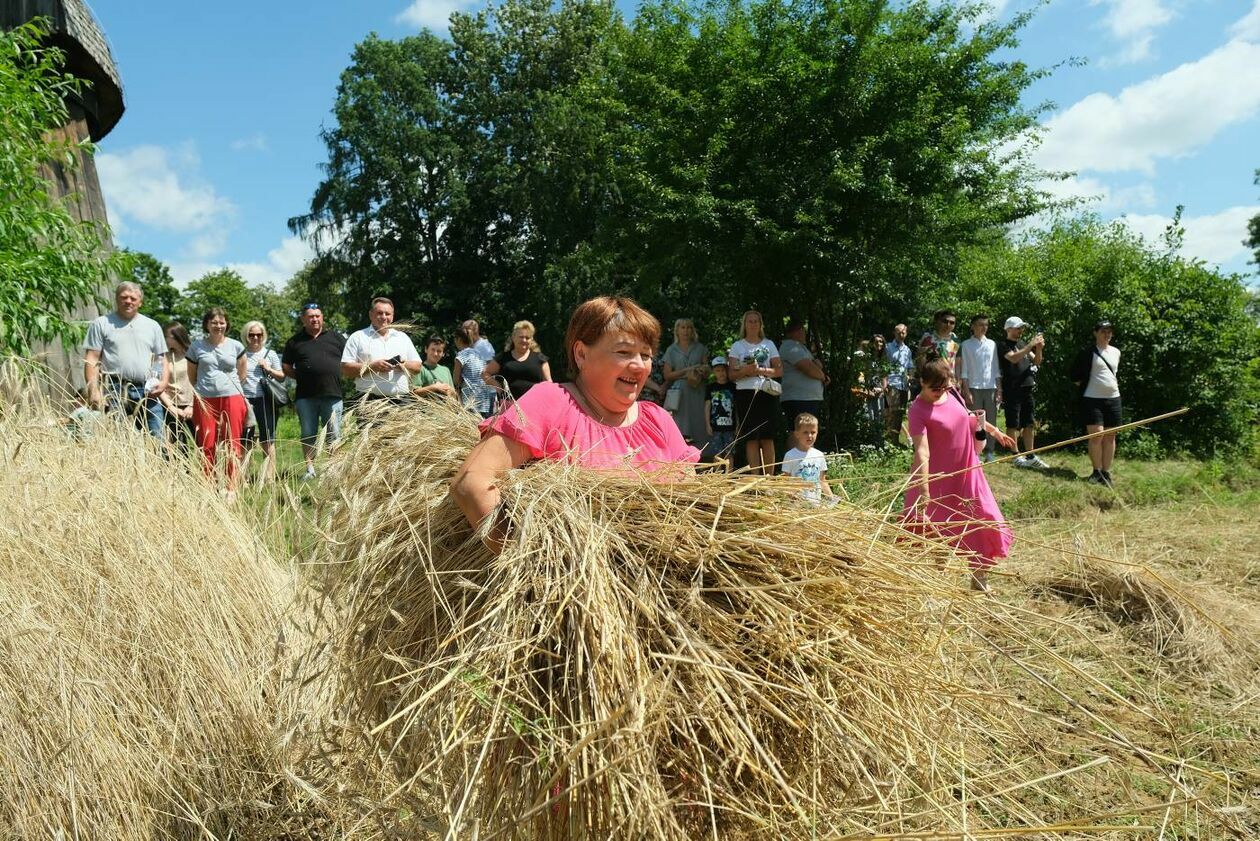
x,y
255,335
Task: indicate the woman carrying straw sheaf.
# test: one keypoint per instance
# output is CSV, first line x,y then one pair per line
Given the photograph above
x,y
949,496
597,420
686,369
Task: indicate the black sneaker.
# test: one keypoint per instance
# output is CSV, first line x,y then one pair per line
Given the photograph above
x,y
1095,478
1106,478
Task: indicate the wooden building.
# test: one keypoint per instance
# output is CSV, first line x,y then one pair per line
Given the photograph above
x,y
92,114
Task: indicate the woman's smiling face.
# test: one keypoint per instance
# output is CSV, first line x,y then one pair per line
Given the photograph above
x,y
613,370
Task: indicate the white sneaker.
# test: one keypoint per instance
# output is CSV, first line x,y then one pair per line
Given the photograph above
x,y
1035,461
309,474
1021,461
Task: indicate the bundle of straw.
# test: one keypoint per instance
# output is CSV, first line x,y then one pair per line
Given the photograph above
x,y
662,660
138,620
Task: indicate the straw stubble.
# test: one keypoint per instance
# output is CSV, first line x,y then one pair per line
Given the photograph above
x,y
643,659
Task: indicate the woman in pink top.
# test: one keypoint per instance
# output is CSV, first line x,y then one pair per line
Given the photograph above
x,y
958,506
596,420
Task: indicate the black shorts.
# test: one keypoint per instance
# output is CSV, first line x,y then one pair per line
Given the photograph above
x,y
1018,405
1100,411
755,414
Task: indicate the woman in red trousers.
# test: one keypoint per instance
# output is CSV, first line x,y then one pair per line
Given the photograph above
x,y
216,367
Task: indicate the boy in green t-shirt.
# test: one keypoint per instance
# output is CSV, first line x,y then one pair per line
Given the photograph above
x,y
434,378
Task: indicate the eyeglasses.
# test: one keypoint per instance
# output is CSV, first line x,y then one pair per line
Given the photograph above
x,y
255,335
311,306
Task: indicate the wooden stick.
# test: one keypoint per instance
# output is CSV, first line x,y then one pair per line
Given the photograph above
x,y
1076,440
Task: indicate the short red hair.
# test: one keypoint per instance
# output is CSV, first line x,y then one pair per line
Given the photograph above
x,y
593,319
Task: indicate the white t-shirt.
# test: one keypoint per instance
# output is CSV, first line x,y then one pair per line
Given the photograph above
x,y
1102,383
979,361
762,352
366,345
809,466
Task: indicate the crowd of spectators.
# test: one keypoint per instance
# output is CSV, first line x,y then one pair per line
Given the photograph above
x,y
220,393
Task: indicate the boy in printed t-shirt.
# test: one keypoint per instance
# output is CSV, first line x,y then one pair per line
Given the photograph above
x,y
808,464
719,411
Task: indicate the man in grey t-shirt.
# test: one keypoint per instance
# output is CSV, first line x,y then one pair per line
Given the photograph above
x,y
124,361
803,376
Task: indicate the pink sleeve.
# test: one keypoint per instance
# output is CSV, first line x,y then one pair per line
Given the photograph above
x,y
527,420
673,446
918,415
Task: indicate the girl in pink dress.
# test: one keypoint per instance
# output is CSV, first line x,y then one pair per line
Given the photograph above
x,y
943,501
596,420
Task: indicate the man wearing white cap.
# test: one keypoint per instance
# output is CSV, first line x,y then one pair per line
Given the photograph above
x,y
1020,361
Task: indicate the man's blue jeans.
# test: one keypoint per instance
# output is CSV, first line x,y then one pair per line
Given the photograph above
x,y
148,412
313,412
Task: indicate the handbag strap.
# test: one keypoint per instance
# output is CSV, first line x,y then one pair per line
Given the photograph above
x,y
1098,353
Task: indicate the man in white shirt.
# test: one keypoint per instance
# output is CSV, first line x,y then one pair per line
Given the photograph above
x,y
380,358
980,375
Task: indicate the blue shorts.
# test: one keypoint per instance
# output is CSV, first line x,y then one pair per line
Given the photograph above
x,y
313,412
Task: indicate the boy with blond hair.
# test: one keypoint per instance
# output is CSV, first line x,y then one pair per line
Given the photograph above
x,y
808,464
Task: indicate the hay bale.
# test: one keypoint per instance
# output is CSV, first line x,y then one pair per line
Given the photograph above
x,y
138,626
1190,633
642,660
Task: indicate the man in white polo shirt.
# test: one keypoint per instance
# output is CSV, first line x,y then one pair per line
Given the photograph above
x,y
980,375
379,358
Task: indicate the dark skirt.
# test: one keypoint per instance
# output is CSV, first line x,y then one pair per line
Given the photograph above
x,y
755,415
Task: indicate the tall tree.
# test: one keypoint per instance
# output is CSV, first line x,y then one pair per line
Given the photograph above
x,y
1253,229
49,262
162,299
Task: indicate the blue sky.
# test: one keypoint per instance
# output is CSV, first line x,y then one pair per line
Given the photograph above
x,y
220,143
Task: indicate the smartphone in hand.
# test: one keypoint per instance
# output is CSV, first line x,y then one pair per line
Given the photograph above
x,y
395,360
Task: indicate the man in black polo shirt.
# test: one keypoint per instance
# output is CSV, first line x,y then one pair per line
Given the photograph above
x,y
313,359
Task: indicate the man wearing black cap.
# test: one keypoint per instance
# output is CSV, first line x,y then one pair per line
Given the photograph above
x,y
1095,374
1019,363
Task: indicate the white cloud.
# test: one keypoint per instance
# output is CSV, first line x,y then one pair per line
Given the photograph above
x,y
1248,28
153,186
282,263
1167,116
256,142
1133,23
1216,239
1102,196
432,14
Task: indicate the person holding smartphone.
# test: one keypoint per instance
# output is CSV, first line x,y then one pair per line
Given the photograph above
x,y
381,360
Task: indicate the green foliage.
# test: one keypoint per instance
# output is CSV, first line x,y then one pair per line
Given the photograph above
x,y
161,297
818,159
50,264
243,303
1253,228
1183,328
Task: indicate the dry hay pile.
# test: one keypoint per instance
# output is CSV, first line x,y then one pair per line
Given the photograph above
x,y
138,624
701,657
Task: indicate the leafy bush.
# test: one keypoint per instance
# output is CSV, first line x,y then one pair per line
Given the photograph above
x,y
50,263
1184,329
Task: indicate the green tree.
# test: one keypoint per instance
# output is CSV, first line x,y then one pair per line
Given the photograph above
x,y
825,159
1183,328
1253,228
162,299
50,263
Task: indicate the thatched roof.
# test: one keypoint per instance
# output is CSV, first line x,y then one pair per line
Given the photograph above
x,y
88,57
